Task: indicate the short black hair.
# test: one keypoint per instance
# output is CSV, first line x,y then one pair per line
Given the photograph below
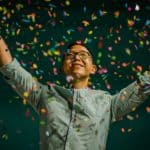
x,y
76,43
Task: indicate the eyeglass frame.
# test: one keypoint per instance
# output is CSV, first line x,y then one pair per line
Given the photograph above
x,y
77,53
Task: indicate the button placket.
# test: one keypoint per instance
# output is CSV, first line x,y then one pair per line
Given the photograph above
x,y
71,121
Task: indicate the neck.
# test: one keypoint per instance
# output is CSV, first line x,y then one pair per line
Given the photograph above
x,y
80,83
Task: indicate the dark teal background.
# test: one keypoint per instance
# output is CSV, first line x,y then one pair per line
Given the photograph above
x,y
60,25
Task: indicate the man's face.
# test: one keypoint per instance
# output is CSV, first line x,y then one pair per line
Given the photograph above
x,y
78,63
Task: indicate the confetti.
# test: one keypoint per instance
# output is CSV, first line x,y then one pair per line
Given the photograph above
x,y
148,109
39,34
123,130
137,7
25,94
130,22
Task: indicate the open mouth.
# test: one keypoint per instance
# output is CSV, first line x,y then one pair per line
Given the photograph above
x,y
77,65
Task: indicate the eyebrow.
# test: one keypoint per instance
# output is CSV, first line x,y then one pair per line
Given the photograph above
x,y
69,50
81,51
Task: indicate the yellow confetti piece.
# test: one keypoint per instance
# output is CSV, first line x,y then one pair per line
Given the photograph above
x,y
85,23
130,23
128,51
104,12
67,2
40,26
90,32
4,10
35,40
32,16
24,101
133,109
57,52
45,54
49,53
34,66
31,28
85,41
18,31
93,17
35,78
141,43
1,8
25,94
58,82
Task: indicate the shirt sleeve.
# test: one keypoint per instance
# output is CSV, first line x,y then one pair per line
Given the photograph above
x,y
22,82
130,97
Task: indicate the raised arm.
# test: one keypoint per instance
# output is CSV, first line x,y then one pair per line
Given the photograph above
x,y
130,97
19,79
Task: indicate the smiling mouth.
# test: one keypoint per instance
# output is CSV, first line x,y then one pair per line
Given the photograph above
x,y
77,65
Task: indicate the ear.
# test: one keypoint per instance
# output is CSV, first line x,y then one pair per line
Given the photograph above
x,y
94,69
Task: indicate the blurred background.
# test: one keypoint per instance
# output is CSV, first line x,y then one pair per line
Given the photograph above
x,y
38,32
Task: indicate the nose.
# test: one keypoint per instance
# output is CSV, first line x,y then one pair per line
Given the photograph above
x,y
77,56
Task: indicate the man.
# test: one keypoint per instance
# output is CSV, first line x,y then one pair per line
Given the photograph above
x,y
77,118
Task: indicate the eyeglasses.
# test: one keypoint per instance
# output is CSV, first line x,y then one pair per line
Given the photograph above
x,y
81,54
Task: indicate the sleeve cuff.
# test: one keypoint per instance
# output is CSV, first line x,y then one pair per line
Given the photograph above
x,y
10,67
144,79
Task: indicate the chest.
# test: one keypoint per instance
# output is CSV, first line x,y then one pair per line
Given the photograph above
x,y
79,109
